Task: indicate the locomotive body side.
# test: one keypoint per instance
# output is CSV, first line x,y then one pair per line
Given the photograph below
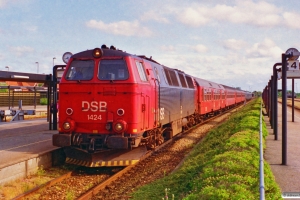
x,y
176,98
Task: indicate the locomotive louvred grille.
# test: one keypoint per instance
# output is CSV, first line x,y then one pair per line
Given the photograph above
x,y
109,91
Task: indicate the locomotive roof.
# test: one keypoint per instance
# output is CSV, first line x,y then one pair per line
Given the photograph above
x,y
106,53
109,52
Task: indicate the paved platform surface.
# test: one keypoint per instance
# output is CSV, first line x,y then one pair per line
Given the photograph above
x,y
287,176
37,108
21,140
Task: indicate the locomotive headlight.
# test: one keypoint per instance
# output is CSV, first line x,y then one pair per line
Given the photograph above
x,y
120,126
97,52
67,125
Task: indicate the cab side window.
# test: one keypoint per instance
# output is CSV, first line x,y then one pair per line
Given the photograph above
x,y
141,71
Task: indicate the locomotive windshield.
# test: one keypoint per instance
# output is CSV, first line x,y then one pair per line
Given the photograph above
x,y
113,70
80,70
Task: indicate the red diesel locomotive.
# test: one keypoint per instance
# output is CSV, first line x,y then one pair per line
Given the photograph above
x,y
110,99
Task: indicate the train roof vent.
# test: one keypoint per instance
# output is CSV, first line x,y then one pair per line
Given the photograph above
x,y
104,46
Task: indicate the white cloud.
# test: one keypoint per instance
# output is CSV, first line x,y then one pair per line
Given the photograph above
x,y
267,48
259,14
200,48
233,44
194,16
31,28
19,51
153,15
3,3
121,28
168,48
291,20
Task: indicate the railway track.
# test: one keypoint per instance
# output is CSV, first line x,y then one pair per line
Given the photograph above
x,y
102,182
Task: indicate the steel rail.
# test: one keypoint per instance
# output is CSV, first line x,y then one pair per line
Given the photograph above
x,y
46,185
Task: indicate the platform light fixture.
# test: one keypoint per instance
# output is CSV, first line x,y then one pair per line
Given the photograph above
x,y
53,60
17,76
37,69
7,68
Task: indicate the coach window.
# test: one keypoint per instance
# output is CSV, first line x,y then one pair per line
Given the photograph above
x,y
113,70
141,71
80,70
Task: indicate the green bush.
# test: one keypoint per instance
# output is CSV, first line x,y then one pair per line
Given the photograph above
x,y
3,84
43,101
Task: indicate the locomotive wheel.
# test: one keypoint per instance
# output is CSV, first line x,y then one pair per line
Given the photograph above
x,y
91,148
159,137
159,140
151,140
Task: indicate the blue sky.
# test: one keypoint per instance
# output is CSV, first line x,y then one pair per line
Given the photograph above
x,y
235,42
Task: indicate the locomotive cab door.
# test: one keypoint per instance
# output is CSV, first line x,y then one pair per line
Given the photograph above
x,y
149,92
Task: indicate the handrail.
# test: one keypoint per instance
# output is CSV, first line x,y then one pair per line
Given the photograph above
x,y
261,159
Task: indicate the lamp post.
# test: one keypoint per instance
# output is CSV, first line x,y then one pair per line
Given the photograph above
x,y
7,68
37,67
53,60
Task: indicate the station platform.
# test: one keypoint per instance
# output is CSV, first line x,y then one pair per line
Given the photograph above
x,y
24,146
287,176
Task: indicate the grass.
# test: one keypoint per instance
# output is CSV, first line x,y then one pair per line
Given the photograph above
x,y
15,188
225,165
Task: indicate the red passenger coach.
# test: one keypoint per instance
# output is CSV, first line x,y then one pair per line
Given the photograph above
x,y
211,97
113,105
